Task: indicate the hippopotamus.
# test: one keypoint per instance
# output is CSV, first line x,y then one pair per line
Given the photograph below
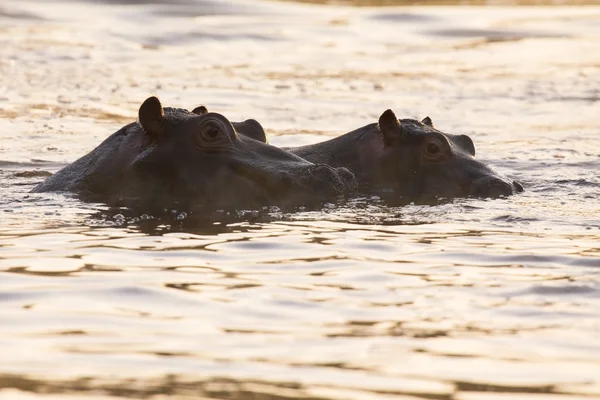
x,y
172,157
409,158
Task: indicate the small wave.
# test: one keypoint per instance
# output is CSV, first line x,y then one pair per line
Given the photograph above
x,y
13,14
493,35
184,39
514,218
32,163
404,17
578,182
563,289
32,174
187,8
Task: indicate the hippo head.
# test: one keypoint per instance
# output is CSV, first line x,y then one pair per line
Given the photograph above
x,y
250,127
197,159
425,161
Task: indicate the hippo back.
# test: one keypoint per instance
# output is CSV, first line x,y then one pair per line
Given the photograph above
x,y
95,169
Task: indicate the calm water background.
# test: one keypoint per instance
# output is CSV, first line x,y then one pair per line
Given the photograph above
x,y
473,299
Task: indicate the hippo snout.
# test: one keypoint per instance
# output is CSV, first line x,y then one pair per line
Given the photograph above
x,y
494,187
323,179
348,179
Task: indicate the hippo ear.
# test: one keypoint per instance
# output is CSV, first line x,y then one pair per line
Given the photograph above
x,y
390,128
251,128
152,116
427,121
200,110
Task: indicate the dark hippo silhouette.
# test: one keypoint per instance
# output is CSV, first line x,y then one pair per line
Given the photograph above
x,y
408,156
190,160
412,158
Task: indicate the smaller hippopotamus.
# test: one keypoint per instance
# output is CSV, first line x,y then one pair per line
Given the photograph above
x,y
412,158
194,160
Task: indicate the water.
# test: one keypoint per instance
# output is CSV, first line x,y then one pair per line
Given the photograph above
x,y
472,299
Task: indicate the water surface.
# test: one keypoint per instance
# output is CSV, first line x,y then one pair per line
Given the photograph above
x,y
362,299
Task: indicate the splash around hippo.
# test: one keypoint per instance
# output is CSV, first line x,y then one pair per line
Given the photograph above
x,y
193,160
411,158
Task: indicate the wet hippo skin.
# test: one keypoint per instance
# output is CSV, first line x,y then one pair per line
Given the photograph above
x,y
412,159
194,160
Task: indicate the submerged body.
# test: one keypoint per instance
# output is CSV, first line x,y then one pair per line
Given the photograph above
x,y
411,158
190,160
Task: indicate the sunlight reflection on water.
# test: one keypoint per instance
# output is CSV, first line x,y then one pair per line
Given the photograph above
x,y
362,299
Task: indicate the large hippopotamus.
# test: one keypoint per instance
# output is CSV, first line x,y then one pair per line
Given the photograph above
x,y
409,157
194,160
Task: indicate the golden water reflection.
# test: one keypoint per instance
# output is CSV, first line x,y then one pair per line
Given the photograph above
x,y
369,298
391,3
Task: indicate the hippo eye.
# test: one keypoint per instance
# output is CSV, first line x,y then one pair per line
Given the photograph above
x,y
210,133
433,149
